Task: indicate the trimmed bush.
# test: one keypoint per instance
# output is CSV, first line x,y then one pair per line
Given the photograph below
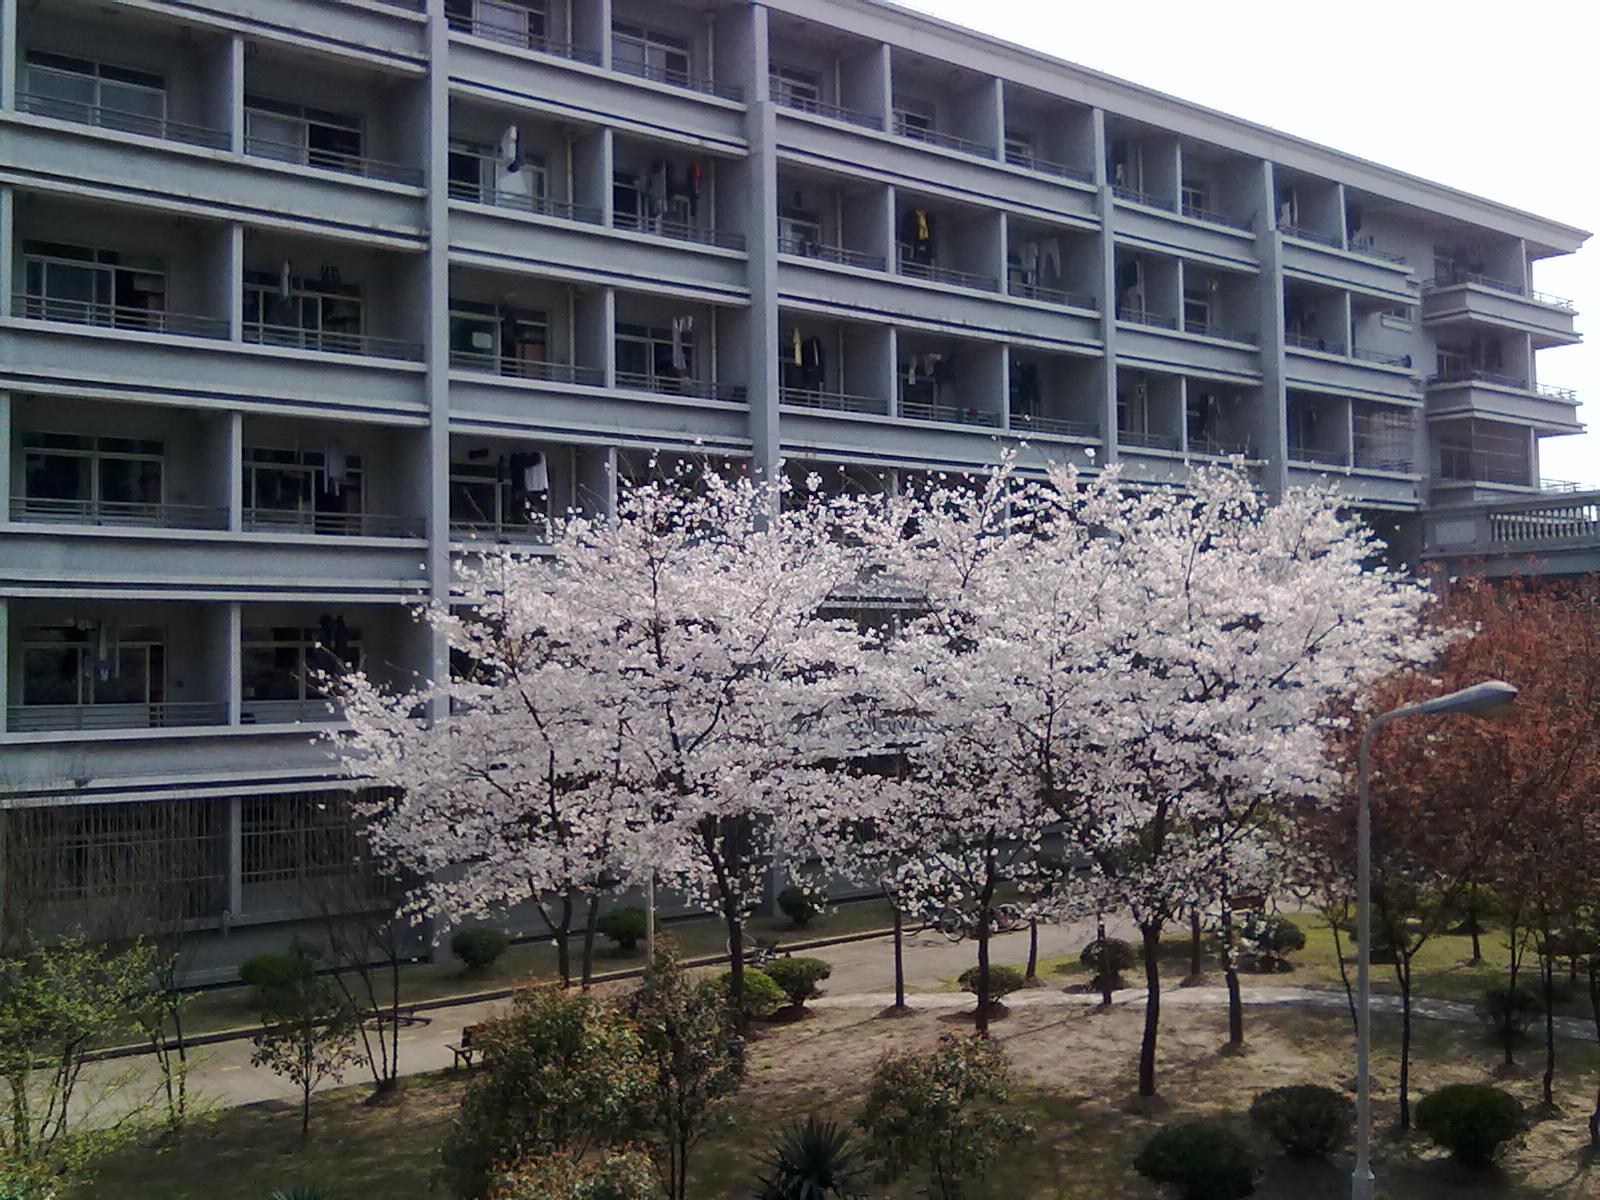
x,y
1508,1012
1307,1120
1002,981
796,904
274,974
1204,1160
762,997
1471,1120
1122,954
797,978
1268,940
624,926
478,946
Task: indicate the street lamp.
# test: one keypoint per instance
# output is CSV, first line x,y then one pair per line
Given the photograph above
x,y
1480,700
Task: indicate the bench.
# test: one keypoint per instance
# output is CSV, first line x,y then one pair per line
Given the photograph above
x,y
464,1050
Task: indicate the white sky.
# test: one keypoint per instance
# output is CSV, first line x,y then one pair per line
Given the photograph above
x,y
1498,99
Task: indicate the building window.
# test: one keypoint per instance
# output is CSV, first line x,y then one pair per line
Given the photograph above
x,y
77,89
297,133
515,22
504,493
92,287
284,666
913,119
497,174
317,314
1196,310
297,836
796,88
1020,148
498,338
799,231
1195,196
319,491
650,54
655,356
93,663
77,475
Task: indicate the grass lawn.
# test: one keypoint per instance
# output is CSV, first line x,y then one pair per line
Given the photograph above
x,y
232,1007
1074,1068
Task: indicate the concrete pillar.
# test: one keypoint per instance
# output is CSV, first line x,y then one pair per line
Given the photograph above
x,y
1341,213
233,657
1270,431
5,457
8,54
9,282
1106,289
594,332
5,666
892,386
234,491
224,79
435,303
591,28
596,470
225,277
592,156
234,842
999,127
1005,387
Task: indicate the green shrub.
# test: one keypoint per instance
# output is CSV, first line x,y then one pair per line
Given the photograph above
x,y
1471,1120
814,1161
1507,1012
762,997
478,946
274,974
1268,940
797,978
1003,981
796,904
1307,1120
1204,1160
300,1191
1122,957
624,926
613,1173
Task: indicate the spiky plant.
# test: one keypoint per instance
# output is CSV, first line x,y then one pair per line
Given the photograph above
x,y
300,1191
814,1160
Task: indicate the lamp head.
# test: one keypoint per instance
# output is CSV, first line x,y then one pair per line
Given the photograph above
x,y
1480,700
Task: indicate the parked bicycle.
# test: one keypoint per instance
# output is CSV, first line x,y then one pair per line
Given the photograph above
x,y
756,951
956,925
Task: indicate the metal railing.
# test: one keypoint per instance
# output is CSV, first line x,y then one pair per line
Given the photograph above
x,y
1149,439
1245,337
805,248
327,342
682,79
934,137
1566,486
332,160
1312,235
116,316
1044,166
803,397
935,274
71,718
1477,375
490,31
680,231
1570,395
1461,464
290,712
1574,521
542,206
1148,199
918,410
126,513
1145,316
331,524
818,108
518,368
1025,423
533,533
1034,291
1211,216
700,389
1367,247
1382,357
1311,454
1311,341
1463,278
1210,447
101,117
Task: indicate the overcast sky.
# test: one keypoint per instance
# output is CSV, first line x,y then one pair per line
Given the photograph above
x,y
1499,99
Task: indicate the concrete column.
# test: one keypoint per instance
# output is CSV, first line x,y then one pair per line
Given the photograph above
x,y
1000,119
892,361
591,28
1340,213
1270,430
592,156
1106,288
5,457
435,283
1005,387
225,291
8,243
1347,311
891,232
5,666
234,490
8,54
224,79
236,89
234,658
596,472
594,330
882,75
235,856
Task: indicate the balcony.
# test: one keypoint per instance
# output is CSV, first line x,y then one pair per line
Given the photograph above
x,y
331,524
828,401
842,255
1023,423
118,514
1465,297
330,160
1148,317
787,97
1049,295
917,410
698,389
519,368
290,712
518,201
1150,439
324,341
1211,216
501,532
912,269
101,117
508,25
681,231
33,307
917,132
78,718
1031,162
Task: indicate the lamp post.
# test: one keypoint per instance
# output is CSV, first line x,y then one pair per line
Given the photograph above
x,y
1481,699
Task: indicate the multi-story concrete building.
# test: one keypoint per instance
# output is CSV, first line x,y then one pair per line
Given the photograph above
x,y
299,297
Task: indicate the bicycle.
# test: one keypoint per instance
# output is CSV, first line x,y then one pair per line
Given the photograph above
x,y
955,925
755,951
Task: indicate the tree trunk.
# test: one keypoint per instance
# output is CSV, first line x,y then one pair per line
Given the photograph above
x,y
983,972
1547,974
590,927
561,934
1511,989
1472,925
1344,970
1230,973
730,911
1150,933
1594,1009
1032,972
899,961
1105,963
305,1109
1402,970
1194,943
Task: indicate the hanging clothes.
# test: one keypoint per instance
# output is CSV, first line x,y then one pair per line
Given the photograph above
x,y
658,191
813,365
511,149
285,282
795,348
1051,257
1030,262
335,468
682,328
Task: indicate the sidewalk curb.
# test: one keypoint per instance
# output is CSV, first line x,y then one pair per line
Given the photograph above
x,y
239,1033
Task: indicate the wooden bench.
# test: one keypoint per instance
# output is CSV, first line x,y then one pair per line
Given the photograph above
x,y
464,1050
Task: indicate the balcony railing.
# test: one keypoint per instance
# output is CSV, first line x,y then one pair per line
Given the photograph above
x,y
542,206
1368,247
831,401
1460,278
518,368
806,248
1149,439
1024,423
72,718
1477,375
1382,357
934,137
1312,454
290,712
1145,316
329,342
1565,486
1136,196
331,160
1574,521
1312,341
1033,291
522,39
535,533
1211,447
834,112
683,79
935,274
1211,216
1019,158
122,513
331,524
1569,395
1246,337
700,389
680,231
116,316
1312,235
1459,464
102,117
918,410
